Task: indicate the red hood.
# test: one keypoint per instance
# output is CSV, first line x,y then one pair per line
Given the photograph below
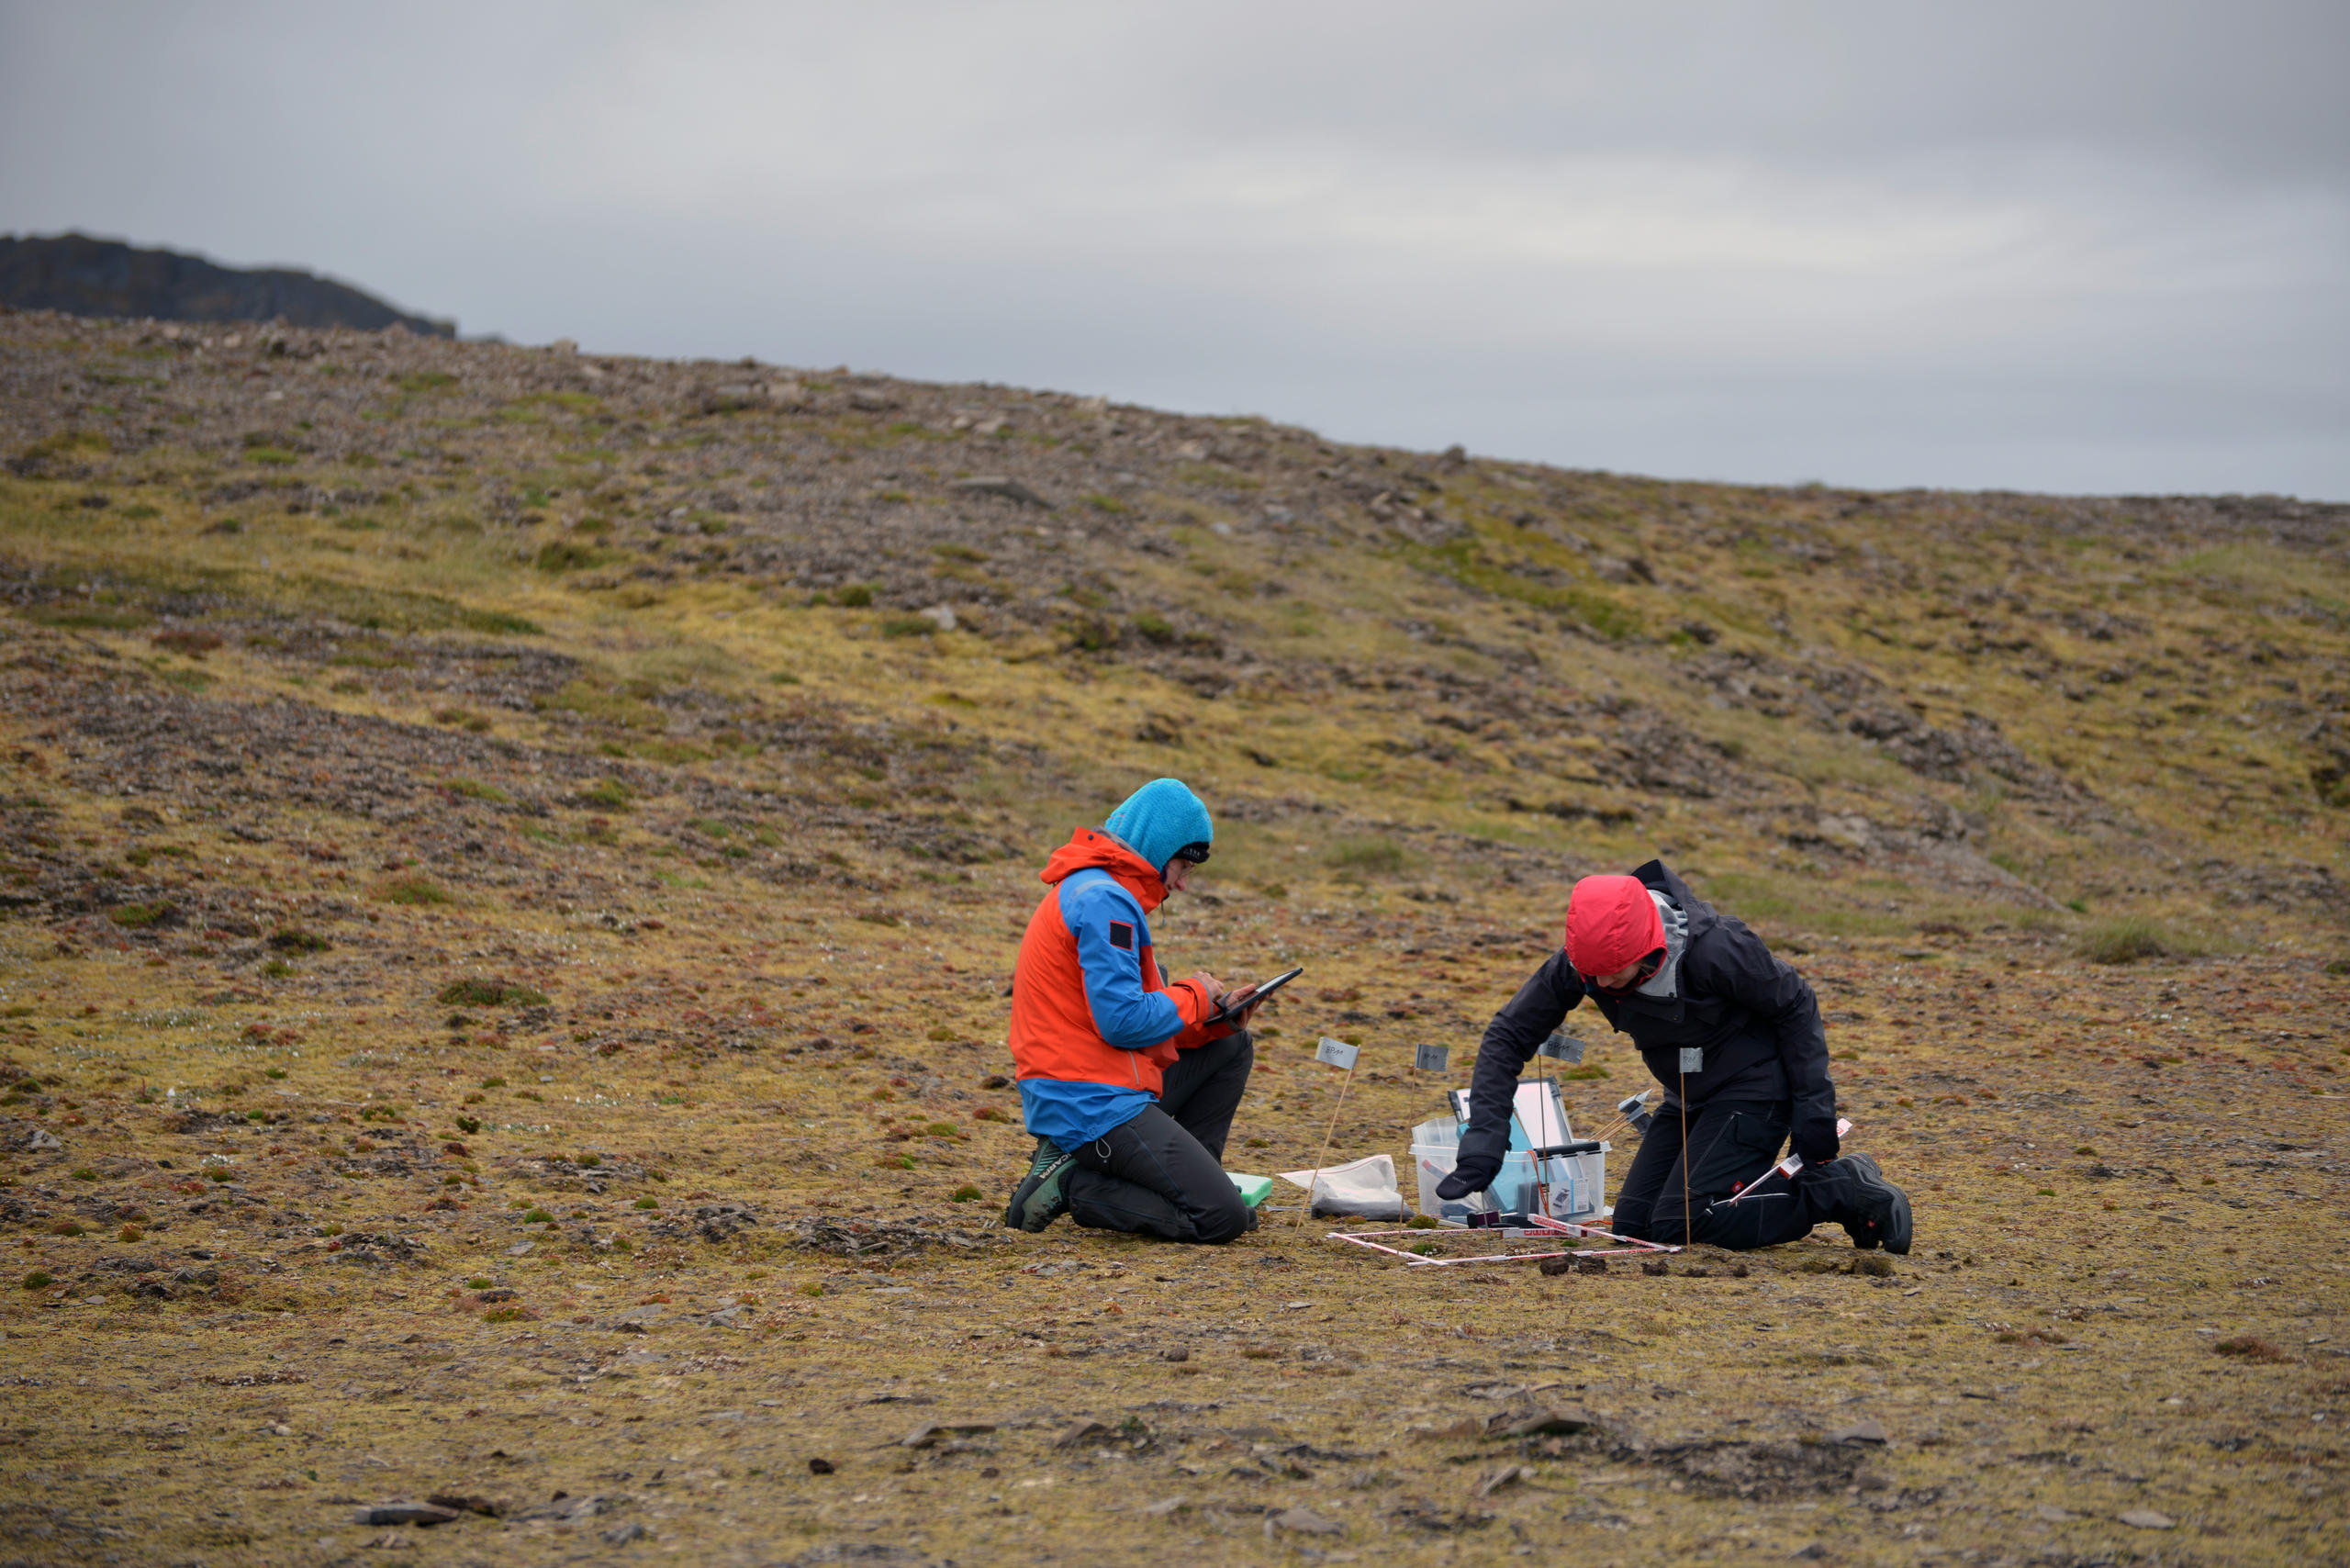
x,y
1089,848
1611,922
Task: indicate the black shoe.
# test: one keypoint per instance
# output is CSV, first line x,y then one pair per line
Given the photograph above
x,y
1880,1211
1038,1200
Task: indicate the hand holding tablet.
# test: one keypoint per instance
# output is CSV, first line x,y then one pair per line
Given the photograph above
x,y
1236,1002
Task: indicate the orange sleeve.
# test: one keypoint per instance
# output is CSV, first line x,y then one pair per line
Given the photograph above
x,y
1193,1004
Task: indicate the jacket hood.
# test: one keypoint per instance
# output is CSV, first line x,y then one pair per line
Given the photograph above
x,y
1089,848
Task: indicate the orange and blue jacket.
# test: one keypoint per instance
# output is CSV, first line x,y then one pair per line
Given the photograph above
x,y
1094,1023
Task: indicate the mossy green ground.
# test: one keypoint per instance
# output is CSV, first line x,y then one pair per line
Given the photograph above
x,y
548,816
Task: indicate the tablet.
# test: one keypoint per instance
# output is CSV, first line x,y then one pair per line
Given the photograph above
x,y
1248,996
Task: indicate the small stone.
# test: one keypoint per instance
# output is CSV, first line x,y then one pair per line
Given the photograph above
x,y
1811,1554
1305,1521
1861,1431
2147,1518
520,1248
1175,1353
822,1467
390,1541
1567,1418
1165,1506
466,1503
621,1535
999,485
1080,1432
939,615
424,1514
1506,1475
930,1432
2055,1516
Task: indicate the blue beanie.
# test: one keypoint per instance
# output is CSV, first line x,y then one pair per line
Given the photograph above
x,y
1159,819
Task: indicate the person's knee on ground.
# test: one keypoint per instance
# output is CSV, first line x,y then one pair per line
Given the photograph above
x,y
1102,1201
1225,1218
1631,1221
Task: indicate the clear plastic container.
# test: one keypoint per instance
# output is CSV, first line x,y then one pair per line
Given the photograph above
x,y
1577,1183
1434,1163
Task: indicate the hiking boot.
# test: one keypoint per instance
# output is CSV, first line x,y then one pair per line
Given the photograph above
x,y
1878,1211
1038,1200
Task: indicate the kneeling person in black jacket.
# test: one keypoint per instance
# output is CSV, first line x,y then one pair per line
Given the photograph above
x,y
1735,1038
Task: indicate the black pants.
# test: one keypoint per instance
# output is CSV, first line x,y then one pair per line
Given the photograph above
x,y
1733,1145
1162,1174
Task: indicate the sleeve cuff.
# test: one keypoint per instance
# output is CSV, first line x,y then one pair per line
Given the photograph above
x,y
1194,1006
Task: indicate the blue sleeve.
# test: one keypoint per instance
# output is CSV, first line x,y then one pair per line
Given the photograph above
x,y
1127,1016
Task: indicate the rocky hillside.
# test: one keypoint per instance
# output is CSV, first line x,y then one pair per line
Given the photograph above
x,y
1851,712
82,276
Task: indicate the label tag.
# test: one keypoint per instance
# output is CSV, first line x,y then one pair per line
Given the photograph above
x,y
1564,1047
1431,1059
1693,1059
1337,1053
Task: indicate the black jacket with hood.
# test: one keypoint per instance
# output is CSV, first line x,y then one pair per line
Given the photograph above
x,y
1752,1018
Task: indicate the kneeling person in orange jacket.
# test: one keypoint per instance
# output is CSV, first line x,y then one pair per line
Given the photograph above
x,y
1128,1087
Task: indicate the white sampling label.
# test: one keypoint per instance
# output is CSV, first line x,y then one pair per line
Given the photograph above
x,y
1338,1053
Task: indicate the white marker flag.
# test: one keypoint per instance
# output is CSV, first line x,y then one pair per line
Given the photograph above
x,y
1338,1053
1431,1059
1567,1049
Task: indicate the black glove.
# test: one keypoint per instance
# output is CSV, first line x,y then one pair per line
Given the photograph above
x,y
1816,1140
1464,1180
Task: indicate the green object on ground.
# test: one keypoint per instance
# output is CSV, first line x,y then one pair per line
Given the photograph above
x,y
1254,1190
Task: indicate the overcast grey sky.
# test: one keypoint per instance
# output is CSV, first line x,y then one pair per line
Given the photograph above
x,y
2046,246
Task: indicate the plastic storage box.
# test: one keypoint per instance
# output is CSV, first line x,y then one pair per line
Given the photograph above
x,y
1577,1182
